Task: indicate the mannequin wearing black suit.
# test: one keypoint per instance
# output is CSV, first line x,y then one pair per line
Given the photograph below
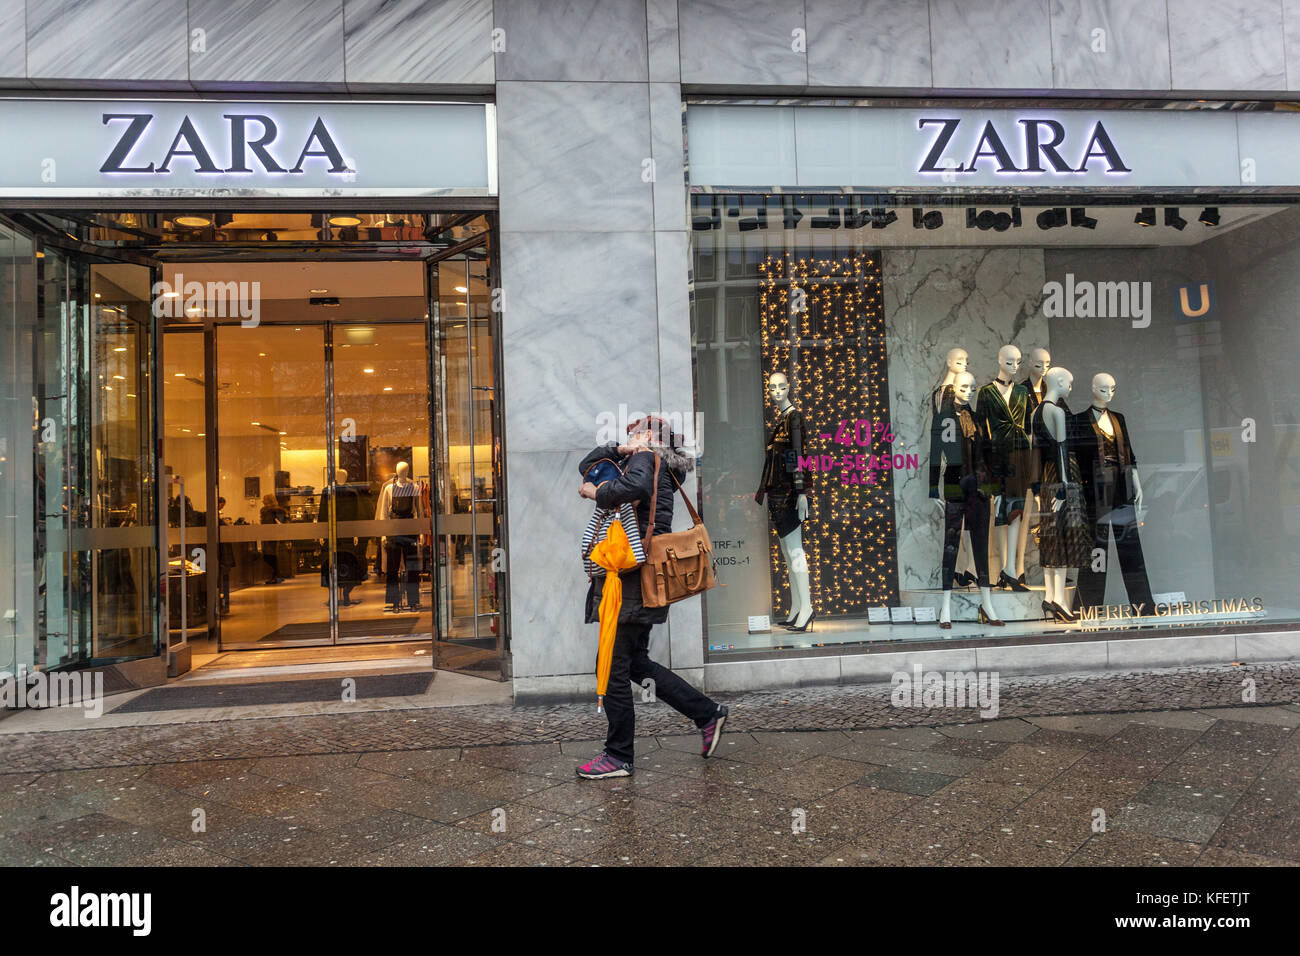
x,y
1107,466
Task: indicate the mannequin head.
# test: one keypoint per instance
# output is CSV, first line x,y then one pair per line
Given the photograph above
x,y
778,389
402,469
957,361
962,388
1040,361
1103,389
1058,381
1008,362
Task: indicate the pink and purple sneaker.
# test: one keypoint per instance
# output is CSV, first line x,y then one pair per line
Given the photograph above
x,y
602,766
711,732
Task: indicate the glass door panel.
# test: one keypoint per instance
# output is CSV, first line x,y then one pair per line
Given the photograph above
x,y
271,469
381,492
184,436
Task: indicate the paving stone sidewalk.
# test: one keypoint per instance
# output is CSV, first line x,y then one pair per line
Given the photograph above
x,y
847,707
1196,781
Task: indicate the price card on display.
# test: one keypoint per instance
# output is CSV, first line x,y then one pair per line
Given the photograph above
x,y
758,623
900,615
878,615
925,614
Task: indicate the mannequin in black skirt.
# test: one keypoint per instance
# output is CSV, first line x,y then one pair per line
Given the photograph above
x,y
783,486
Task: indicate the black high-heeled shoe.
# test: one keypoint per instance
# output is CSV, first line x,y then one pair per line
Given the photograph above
x,y
1007,581
964,579
1058,613
990,621
807,625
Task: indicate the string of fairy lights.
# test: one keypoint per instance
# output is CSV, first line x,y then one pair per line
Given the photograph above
x,y
833,353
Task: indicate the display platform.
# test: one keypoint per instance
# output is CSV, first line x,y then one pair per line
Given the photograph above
x,y
1010,605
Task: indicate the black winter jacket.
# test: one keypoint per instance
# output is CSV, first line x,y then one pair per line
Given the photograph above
x,y
634,486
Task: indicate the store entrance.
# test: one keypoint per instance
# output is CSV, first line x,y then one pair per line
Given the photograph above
x,y
292,417
316,540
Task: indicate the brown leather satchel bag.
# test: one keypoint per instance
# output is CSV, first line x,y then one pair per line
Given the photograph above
x,y
678,565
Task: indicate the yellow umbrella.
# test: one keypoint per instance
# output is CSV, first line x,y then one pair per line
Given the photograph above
x,y
614,554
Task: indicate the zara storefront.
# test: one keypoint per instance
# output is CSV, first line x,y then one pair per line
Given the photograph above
x,y
250,367
822,212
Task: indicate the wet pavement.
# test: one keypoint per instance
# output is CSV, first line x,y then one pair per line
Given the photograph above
x,y
1187,784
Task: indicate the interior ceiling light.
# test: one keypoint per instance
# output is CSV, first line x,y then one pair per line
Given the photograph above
x,y
368,371
927,220
193,222
1079,217
318,291
120,348
1210,216
1146,216
1173,219
345,221
1051,218
461,288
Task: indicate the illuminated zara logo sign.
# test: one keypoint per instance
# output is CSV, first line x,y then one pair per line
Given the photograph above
x,y
248,144
1041,147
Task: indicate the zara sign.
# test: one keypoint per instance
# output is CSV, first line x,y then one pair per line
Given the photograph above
x,y
220,149
188,146
868,148
1041,139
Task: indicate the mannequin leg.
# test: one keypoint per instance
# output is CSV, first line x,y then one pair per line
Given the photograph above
x,y
795,606
945,609
1012,556
798,569
986,602
1000,542
1022,542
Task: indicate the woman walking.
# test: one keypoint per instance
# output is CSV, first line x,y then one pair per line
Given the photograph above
x,y
646,437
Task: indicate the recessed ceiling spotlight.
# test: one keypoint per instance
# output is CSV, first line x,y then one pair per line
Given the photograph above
x,y
1146,216
318,291
344,221
1210,216
193,222
461,288
368,371
1173,219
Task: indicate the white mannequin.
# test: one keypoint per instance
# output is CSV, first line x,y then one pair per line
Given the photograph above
x,y
957,361
963,389
1013,556
796,561
1103,392
1040,363
1056,386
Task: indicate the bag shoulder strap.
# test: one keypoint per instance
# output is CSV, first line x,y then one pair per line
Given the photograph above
x,y
654,501
695,516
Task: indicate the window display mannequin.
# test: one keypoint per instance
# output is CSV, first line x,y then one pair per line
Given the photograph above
x,y
1040,363
957,360
961,484
956,363
1062,531
1112,496
787,504
1002,405
400,499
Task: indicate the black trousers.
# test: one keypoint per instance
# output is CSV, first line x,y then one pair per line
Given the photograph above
x,y
402,560
1092,584
974,511
632,663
